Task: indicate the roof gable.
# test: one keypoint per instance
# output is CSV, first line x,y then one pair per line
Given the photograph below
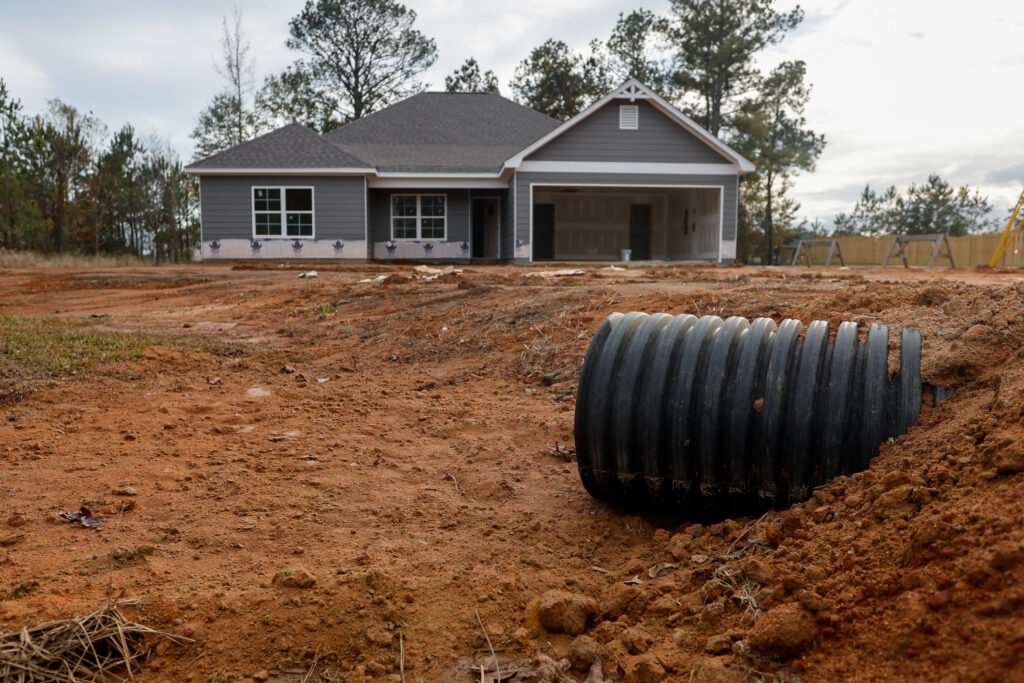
x,y
631,92
656,138
292,147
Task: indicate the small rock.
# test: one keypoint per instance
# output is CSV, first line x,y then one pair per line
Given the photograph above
x,y
646,669
664,605
679,546
1007,557
636,640
261,676
583,652
378,635
937,600
1009,460
955,306
563,612
823,514
616,600
792,582
814,573
715,670
784,631
718,645
893,479
295,578
757,570
792,524
125,491
287,369
896,503
812,601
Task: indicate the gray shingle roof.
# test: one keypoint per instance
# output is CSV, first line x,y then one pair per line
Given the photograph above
x,y
443,132
293,146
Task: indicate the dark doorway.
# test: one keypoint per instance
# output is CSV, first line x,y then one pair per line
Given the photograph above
x,y
543,232
640,231
486,217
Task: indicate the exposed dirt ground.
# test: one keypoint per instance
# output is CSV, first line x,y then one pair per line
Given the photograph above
x,y
398,442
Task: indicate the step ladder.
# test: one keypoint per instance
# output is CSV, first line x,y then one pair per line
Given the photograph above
x,y
1012,228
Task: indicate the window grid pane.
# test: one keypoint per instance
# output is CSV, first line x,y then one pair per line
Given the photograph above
x,y
267,199
432,205
405,228
433,228
300,225
404,205
268,224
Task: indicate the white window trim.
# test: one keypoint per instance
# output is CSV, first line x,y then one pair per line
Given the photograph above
x,y
419,216
284,211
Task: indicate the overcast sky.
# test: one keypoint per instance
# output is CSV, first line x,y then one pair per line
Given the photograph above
x,y
901,88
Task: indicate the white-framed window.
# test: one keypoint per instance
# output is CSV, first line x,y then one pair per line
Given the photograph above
x,y
284,212
418,216
629,117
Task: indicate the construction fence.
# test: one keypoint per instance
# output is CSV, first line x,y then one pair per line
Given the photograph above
x,y
969,251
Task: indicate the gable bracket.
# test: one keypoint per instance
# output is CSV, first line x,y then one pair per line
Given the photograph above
x,y
630,91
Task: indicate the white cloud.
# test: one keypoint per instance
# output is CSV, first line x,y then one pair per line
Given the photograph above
x,y
25,80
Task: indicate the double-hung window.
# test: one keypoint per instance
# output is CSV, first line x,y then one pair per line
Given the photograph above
x,y
282,211
418,216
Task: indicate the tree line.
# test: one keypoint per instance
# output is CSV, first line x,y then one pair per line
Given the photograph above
x,y
67,186
934,206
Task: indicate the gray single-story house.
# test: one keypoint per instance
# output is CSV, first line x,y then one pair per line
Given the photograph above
x,y
461,176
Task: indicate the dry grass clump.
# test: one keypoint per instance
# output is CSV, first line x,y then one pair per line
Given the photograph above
x,y
86,648
33,259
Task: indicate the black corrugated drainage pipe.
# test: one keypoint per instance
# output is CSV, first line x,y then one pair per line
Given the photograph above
x,y
713,418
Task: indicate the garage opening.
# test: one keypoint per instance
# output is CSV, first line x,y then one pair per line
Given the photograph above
x,y
656,223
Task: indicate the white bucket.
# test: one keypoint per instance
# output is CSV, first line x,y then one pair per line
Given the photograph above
x,y
626,254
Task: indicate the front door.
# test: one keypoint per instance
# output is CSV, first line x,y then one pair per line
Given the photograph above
x,y
543,232
486,218
640,231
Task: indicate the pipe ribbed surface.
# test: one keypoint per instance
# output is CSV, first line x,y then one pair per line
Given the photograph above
x,y
715,417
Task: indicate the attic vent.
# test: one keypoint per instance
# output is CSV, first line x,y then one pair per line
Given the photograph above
x,y
629,117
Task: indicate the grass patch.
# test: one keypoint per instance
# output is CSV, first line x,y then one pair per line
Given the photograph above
x,y
65,346
32,259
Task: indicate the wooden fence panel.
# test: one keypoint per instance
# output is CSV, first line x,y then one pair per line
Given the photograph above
x,y
969,251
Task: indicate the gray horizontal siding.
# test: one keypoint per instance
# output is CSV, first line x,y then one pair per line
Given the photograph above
x,y
338,208
658,139
523,181
457,208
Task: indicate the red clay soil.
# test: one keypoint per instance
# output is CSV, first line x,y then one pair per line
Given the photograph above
x,y
339,478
